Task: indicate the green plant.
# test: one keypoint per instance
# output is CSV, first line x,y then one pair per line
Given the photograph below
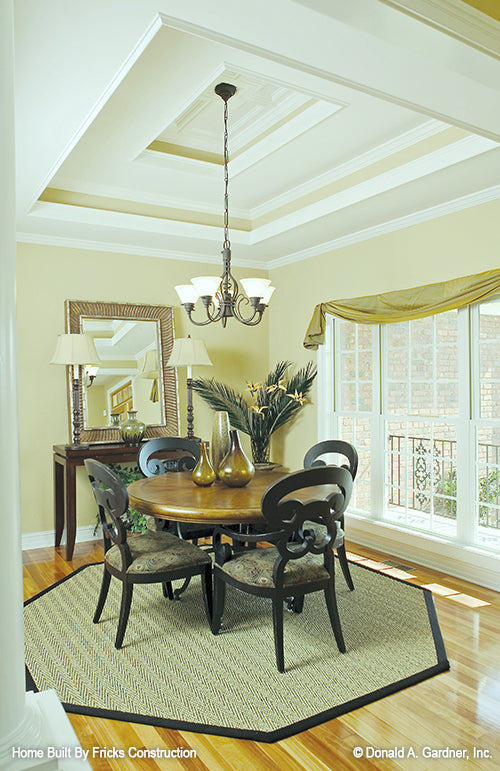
x,y
272,404
489,492
449,488
135,522
488,489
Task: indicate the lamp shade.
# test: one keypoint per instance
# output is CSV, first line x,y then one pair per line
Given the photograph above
x,y
75,349
206,286
255,287
149,369
188,352
187,293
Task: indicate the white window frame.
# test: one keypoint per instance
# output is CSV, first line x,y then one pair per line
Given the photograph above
x,y
463,556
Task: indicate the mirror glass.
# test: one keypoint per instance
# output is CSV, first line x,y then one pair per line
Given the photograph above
x,y
134,343
127,377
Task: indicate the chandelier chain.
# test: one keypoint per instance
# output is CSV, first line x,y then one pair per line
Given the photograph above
x,y
226,183
225,300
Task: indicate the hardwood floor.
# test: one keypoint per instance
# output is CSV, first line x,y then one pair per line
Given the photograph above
x,y
457,710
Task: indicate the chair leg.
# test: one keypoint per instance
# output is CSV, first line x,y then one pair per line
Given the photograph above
x,y
278,631
296,604
333,612
167,590
106,578
127,590
218,602
206,585
344,564
178,592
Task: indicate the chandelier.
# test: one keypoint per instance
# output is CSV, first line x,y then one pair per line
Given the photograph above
x,y
221,295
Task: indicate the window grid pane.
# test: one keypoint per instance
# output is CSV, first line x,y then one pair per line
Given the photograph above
x,y
425,425
421,476
357,431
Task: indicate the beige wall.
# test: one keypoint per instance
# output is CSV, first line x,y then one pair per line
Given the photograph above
x,y
458,244
46,277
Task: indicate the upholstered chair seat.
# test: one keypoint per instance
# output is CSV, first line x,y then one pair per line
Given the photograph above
x,y
255,567
162,552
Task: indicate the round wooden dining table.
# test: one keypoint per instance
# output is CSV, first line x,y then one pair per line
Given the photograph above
x,y
174,496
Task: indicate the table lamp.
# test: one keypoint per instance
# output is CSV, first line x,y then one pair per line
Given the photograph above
x,y
149,371
76,351
189,353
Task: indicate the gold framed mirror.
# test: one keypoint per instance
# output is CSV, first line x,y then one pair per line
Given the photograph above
x,y
134,343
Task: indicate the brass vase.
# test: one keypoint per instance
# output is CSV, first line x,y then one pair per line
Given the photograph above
x,y
221,441
236,470
203,474
132,430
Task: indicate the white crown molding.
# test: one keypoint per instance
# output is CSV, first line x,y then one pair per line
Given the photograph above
x,y
460,20
437,160
210,34
441,210
139,250
433,212
138,222
380,152
154,158
180,163
292,129
427,164
131,59
132,195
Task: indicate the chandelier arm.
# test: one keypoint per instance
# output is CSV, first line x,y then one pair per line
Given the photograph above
x,y
252,320
189,307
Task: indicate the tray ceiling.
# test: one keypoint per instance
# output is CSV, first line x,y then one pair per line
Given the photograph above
x,y
316,160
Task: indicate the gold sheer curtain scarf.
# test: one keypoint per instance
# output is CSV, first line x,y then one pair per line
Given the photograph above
x,y
404,305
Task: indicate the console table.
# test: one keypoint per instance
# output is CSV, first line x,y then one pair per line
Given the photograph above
x,y
66,459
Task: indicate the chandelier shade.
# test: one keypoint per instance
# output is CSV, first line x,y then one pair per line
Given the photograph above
x,y
220,295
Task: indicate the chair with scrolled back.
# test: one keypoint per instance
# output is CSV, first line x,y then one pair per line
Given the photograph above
x,y
133,558
166,454
312,458
299,561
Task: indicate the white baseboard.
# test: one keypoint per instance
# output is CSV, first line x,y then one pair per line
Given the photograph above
x,y
464,562
47,537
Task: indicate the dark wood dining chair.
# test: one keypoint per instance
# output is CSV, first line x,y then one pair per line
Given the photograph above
x,y
167,454
350,454
133,558
299,561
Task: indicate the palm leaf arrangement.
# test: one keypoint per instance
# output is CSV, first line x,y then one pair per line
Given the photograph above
x,y
268,407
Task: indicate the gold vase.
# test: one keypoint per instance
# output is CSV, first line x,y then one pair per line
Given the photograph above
x,y
221,441
236,470
132,430
203,474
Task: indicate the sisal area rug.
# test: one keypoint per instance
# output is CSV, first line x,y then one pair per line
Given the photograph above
x,y
173,672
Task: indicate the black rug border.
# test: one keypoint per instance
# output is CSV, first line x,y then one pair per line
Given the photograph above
x,y
286,731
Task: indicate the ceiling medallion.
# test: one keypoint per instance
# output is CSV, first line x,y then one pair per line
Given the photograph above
x,y
220,295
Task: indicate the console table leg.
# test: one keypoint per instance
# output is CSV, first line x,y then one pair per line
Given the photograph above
x,y
59,494
70,510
